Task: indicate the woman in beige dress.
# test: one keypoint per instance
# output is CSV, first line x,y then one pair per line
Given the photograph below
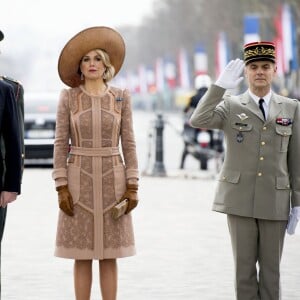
x,y
92,172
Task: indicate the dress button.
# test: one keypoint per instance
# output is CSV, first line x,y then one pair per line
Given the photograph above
x,y
263,143
264,128
261,158
259,174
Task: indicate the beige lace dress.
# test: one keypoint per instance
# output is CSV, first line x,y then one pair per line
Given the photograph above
x,y
95,171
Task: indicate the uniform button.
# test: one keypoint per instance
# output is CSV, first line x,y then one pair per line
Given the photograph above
x,y
224,177
261,158
259,174
263,143
264,128
241,128
287,185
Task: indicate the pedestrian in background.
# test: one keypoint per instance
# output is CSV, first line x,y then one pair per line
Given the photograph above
x,y
10,162
260,178
90,174
202,82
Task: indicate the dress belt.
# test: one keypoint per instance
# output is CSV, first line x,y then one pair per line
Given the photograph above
x,y
104,151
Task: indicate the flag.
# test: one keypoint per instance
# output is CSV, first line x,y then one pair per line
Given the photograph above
x,y
142,79
222,53
183,70
251,29
170,73
286,39
200,61
159,75
133,82
150,77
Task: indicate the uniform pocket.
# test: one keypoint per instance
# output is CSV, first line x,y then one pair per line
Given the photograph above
x,y
74,181
282,183
243,127
284,135
119,181
229,176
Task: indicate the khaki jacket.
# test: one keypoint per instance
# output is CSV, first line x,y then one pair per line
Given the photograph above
x,y
260,176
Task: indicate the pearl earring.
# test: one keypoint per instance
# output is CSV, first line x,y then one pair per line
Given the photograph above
x,y
81,76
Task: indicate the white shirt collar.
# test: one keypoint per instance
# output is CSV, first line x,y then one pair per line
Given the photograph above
x,y
267,97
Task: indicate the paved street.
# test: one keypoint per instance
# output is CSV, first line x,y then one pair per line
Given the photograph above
x,y
183,248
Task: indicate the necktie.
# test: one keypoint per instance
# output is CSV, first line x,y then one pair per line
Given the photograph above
x,y
261,101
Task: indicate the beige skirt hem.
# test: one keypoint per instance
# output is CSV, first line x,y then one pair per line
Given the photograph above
x,y
109,253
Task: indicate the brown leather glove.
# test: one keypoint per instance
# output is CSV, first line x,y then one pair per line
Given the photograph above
x,y
65,200
131,195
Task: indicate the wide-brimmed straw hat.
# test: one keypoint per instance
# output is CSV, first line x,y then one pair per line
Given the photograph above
x,y
1,35
99,37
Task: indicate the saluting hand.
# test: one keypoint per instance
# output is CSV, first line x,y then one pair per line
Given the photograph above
x,y
231,77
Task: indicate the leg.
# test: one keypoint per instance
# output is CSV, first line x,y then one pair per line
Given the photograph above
x,y
244,240
83,279
108,278
271,239
3,211
183,157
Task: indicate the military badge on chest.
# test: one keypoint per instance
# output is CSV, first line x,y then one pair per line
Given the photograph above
x,y
284,121
241,124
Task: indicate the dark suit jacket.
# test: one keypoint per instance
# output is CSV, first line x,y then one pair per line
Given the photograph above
x,y
10,130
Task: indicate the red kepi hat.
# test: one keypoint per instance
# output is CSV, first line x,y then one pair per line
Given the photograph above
x,y
259,51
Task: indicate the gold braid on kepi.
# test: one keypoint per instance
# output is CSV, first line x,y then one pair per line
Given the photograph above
x,y
259,51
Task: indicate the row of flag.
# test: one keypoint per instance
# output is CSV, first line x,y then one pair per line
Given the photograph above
x,y
167,74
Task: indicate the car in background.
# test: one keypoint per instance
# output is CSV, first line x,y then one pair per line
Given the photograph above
x,y
39,127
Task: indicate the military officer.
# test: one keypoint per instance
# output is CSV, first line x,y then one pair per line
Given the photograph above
x,y
260,179
10,151
19,96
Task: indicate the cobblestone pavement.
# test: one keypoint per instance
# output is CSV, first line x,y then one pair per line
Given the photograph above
x,y
183,248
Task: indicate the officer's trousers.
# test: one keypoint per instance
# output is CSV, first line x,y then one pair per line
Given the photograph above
x,y
257,249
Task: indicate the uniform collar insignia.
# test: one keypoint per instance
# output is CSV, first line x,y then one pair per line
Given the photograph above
x,y
242,116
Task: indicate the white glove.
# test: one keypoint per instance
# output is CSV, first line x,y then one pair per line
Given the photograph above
x,y
231,77
293,220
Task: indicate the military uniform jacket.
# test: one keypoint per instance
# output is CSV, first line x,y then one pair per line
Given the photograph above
x,y
260,176
19,97
10,163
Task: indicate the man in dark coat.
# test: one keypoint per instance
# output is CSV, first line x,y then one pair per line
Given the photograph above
x,y
10,161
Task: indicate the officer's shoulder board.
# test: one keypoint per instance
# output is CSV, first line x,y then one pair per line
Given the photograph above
x,y
11,80
18,88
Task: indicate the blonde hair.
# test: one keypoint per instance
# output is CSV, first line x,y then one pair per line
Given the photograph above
x,y
110,69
